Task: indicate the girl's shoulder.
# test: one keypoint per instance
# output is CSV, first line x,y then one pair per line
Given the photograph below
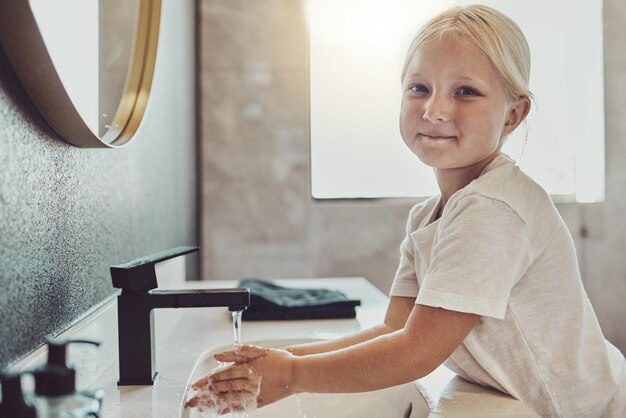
x,y
421,213
503,181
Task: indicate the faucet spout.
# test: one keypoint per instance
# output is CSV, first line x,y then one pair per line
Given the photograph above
x,y
135,305
200,298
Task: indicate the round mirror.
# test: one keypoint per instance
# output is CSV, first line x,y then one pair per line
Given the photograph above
x,y
86,64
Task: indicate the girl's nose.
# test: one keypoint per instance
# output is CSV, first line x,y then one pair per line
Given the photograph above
x,y
436,109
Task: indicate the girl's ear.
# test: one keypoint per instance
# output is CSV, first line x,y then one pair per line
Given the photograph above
x,y
517,113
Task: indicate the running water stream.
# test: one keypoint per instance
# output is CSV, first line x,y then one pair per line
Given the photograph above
x,y
237,328
237,343
211,413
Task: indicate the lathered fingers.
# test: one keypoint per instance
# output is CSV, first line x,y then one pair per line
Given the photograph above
x,y
236,372
236,385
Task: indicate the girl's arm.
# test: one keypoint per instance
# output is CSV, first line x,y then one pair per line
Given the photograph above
x,y
427,340
398,311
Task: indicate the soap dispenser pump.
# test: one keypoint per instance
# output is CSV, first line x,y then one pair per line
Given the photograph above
x,y
55,386
13,404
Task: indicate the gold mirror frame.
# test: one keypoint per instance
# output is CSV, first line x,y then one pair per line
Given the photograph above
x,y
29,57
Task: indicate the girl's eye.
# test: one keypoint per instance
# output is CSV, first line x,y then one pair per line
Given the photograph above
x,y
468,91
418,88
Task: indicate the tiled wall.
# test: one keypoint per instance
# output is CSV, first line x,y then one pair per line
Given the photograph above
x,y
258,218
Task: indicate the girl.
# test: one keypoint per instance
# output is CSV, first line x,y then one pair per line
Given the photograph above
x,y
488,281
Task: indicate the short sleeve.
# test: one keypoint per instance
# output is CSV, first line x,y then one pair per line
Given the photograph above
x,y
480,252
405,279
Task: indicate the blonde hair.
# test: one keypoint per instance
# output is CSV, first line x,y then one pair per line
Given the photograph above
x,y
495,34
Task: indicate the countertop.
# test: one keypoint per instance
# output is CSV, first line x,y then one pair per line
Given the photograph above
x,y
182,335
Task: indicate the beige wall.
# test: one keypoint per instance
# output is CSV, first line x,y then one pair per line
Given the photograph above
x,y
258,218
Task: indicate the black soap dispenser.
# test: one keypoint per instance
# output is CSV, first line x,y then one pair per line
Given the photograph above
x,y
13,404
55,386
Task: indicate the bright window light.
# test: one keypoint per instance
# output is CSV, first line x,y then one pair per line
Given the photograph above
x,y
357,49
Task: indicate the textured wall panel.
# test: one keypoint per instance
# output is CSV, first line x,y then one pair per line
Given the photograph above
x,y
67,214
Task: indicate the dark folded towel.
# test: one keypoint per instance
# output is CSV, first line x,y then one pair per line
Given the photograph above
x,y
271,302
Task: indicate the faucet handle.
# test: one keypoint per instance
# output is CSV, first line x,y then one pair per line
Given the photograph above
x,y
139,275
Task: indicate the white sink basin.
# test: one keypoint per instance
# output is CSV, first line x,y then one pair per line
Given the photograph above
x,y
404,401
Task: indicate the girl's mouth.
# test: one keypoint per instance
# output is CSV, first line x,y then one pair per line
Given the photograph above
x,y
435,137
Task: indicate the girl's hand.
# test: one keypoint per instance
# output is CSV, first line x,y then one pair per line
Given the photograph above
x,y
262,373
270,369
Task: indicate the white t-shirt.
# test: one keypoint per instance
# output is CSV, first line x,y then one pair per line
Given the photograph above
x,y
501,250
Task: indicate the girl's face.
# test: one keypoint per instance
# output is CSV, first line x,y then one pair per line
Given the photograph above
x,y
454,111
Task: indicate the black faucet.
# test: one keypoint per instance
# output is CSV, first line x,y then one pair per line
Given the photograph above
x,y
135,303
